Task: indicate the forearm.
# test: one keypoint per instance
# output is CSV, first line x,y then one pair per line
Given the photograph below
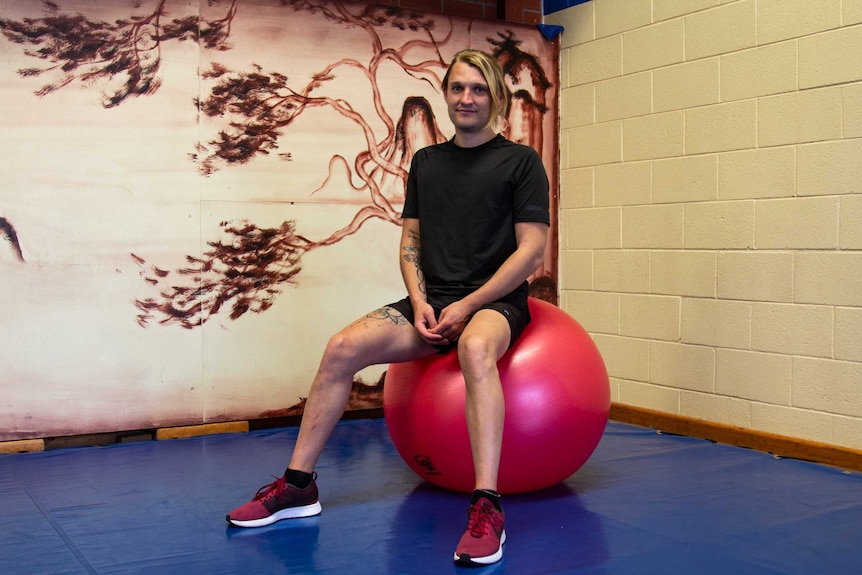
x,y
526,259
410,261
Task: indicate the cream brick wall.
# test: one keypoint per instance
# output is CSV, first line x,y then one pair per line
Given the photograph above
x,y
711,237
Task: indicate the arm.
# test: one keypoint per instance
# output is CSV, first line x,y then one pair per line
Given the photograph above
x,y
410,261
532,237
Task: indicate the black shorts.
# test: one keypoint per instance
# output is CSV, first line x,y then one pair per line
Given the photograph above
x,y
513,307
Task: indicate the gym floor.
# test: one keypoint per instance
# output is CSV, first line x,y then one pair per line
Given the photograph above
x,y
645,503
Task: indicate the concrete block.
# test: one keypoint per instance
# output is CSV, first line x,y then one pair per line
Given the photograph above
x,y
755,276
576,269
761,173
597,60
782,19
615,16
797,223
792,422
846,432
799,117
848,333
719,225
686,85
597,312
592,228
720,30
654,46
850,223
654,317
624,357
683,272
716,323
763,377
577,106
829,168
627,183
792,329
647,396
654,136
851,100
721,127
829,278
830,58
595,144
682,366
716,408
686,179
657,226
759,72
576,188
665,9
852,14
827,385
621,271
624,97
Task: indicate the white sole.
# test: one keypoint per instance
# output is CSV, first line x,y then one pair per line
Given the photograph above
x,y
289,513
487,560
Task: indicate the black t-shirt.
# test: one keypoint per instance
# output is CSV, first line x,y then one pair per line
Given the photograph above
x,y
467,201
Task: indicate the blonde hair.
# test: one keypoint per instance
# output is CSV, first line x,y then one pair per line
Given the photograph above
x,y
494,76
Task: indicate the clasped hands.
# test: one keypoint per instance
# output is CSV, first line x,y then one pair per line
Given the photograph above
x,y
448,327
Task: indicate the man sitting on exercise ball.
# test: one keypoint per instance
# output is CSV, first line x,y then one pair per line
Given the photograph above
x,y
481,205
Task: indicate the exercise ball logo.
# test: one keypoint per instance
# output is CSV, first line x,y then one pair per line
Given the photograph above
x,y
426,465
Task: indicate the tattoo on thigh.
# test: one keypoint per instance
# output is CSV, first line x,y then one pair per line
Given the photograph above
x,y
387,314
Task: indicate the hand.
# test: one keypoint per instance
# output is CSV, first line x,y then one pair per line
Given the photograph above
x,y
425,323
453,319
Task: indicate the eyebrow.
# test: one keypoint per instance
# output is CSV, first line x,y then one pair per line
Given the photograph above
x,y
473,84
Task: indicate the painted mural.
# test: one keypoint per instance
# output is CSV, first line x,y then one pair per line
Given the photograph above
x,y
194,195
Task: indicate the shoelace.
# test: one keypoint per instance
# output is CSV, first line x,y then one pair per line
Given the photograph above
x,y
479,522
275,488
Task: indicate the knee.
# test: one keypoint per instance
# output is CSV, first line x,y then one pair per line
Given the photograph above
x,y
342,352
476,354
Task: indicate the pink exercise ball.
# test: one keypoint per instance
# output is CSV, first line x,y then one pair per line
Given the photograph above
x,y
557,403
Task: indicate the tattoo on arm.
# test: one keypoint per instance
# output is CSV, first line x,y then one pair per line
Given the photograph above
x,y
413,254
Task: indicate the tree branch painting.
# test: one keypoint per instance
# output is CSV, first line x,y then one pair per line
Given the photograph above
x,y
75,48
196,193
256,107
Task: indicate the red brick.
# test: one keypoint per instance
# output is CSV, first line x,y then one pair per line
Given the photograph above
x,y
465,8
423,5
492,11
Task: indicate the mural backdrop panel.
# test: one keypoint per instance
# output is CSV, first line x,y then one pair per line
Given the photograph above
x,y
195,196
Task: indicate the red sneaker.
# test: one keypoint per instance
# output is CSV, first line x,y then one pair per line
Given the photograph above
x,y
482,542
276,501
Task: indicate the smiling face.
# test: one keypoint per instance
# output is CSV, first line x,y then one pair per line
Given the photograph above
x,y
469,102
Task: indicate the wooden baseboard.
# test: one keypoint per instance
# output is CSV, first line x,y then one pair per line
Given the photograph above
x,y
22,446
778,445
203,429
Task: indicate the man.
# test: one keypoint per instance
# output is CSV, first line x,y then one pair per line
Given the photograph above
x,y
475,225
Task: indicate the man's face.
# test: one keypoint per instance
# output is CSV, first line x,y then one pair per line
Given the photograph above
x,y
468,98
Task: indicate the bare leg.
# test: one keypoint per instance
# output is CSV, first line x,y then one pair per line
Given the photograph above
x,y
383,336
483,343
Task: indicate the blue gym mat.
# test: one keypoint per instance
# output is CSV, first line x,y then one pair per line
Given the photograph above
x,y
645,503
